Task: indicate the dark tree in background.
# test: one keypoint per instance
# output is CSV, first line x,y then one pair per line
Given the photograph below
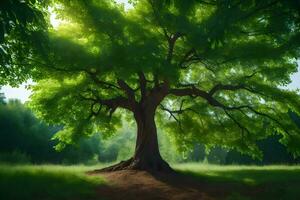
x,y
2,98
273,153
207,71
23,138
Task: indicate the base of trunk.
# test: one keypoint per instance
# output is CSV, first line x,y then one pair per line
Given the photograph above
x,y
157,165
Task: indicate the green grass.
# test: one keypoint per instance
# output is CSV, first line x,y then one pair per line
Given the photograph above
x,y
249,182
47,182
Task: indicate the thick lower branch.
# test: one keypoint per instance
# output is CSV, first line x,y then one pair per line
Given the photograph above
x,y
143,85
127,89
113,103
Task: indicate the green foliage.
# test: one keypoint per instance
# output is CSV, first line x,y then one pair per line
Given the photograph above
x,y
46,182
23,27
273,153
57,95
223,63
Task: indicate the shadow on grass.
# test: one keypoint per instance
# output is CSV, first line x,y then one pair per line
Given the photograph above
x,y
231,183
46,183
239,184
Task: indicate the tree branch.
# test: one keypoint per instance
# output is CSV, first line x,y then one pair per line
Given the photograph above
x,y
127,89
194,92
191,58
225,87
172,114
171,42
104,84
237,123
112,104
143,85
187,56
241,86
257,113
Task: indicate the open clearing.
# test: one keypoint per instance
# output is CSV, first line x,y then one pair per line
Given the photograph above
x,y
194,181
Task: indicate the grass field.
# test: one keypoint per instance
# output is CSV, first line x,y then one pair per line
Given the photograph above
x,y
28,182
57,182
256,182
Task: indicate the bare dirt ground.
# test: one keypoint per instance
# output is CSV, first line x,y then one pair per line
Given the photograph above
x,y
141,185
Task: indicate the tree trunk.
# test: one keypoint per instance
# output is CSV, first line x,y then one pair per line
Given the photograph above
x,y
147,156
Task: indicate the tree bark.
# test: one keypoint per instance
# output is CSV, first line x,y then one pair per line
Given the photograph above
x,y
147,156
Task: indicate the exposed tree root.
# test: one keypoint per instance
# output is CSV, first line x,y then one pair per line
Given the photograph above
x,y
157,165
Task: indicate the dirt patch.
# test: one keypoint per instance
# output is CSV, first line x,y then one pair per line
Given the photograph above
x,y
141,185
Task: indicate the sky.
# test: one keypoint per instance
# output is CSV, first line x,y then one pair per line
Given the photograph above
x,y
23,94
295,79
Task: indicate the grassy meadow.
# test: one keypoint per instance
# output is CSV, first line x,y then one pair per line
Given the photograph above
x,y
47,182
249,182
71,182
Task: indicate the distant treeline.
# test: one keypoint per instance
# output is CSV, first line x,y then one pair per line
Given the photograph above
x,y
24,138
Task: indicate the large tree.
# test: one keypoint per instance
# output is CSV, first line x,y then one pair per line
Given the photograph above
x,y
208,71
